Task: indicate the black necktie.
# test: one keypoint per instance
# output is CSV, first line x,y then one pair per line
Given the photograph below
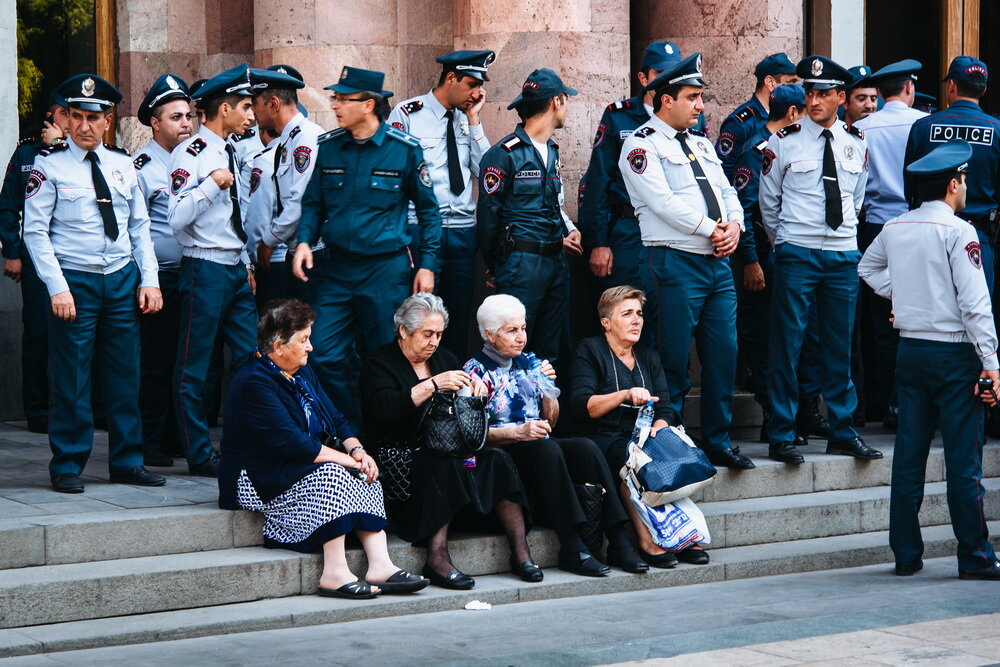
x,y
454,166
274,177
711,201
234,196
103,193
831,186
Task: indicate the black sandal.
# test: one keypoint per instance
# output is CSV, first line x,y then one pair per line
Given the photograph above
x,y
401,582
356,590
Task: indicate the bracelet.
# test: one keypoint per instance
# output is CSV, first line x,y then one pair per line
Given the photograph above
x,y
354,449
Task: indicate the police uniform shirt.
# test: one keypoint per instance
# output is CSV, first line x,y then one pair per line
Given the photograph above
x,y
246,145
424,117
792,199
359,195
661,184
63,227
296,149
152,164
259,203
886,132
746,182
200,213
12,195
739,127
928,262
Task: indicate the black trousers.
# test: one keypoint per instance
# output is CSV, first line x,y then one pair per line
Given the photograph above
x,y
549,467
159,334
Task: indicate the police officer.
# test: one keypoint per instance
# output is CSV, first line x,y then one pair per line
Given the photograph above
x,y
86,228
965,119
446,121
933,273
886,132
691,220
259,203
746,120
166,109
811,189
17,265
521,222
607,219
861,96
367,173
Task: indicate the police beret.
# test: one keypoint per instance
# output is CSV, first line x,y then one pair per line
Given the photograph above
x,y
358,80
821,73
949,157
685,73
661,55
89,92
167,88
472,63
967,70
776,63
542,84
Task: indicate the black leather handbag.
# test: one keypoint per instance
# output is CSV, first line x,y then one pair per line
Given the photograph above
x,y
454,425
592,503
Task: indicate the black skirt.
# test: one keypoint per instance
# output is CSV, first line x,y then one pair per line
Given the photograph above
x,y
444,490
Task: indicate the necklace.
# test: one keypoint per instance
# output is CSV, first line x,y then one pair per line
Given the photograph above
x,y
642,378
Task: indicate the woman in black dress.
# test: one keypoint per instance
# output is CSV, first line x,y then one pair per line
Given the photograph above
x,y
612,378
427,493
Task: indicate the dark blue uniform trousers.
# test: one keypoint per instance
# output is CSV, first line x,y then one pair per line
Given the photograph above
x,y
935,382
35,310
828,278
105,331
355,299
693,296
215,300
159,333
885,338
455,284
541,283
625,242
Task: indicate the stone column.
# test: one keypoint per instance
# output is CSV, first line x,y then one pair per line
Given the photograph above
x,y
10,298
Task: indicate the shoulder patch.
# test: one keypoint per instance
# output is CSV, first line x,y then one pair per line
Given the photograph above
x,y
742,177
975,254
117,149
512,143
412,107
35,179
61,146
855,131
399,126
300,158
644,131
255,175
246,135
745,114
295,132
401,136
27,140
332,134
727,142
196,147
767,162
492,178
788,130
141,160
637,160
178,179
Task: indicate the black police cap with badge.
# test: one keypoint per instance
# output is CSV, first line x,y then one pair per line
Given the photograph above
x,y
358,80
469,63
685,73
167,88
542,84
89,92
950,157
821,73
966,69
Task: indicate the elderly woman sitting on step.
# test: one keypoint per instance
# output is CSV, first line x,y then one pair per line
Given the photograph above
x,y
288,452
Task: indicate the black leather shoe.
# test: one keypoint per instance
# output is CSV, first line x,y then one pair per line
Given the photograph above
x,y
909,570
454,580
629,562
800,440
527,570
38,425
785,452
731,458
583,564
664,561
809,420
855,447
138,476
693,556
208,468
157,459
990,573
68,483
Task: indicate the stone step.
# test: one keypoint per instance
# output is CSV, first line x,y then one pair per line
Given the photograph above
x,y
297,610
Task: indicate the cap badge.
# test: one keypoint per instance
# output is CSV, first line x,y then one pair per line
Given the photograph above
x,y
282,70
490,57
975,69
88,87
172,83
697,63
343,74
863,71
669,49
817,67
530,85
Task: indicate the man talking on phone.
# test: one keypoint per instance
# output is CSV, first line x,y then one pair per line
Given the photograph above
x,y
929,263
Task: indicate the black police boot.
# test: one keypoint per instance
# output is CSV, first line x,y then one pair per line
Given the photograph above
x,y
785,452
809,420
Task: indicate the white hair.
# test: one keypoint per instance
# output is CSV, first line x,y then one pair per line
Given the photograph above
x,y
496,311
417,308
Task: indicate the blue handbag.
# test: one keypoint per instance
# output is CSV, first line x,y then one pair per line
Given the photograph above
x,y
667,467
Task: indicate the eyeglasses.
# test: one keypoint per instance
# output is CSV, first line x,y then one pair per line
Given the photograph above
x,y
339,100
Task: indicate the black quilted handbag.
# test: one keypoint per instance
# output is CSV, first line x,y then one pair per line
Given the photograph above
x,y
454,425
395,464
592,503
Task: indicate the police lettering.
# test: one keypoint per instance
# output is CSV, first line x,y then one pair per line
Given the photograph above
x,y
528,174
973,134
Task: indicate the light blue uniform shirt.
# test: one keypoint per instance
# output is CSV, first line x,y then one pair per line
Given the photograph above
x,y
152,165
886,132
63,227
259,205
296,157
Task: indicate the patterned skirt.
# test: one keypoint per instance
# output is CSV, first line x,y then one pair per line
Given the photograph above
x,y
323,505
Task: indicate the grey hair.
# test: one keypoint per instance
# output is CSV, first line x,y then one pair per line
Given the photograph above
x,y
496,310
417,308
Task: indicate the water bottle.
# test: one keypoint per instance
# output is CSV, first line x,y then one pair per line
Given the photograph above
x,y
548,387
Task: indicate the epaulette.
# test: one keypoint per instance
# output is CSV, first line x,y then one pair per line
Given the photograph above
x,y
196,146
61,146
141,160
620,104
697,133
117,149
246,135
789,129
410,107
326,136
759,147
512,143
745,114
399,135
295,132
28,140
855,131
644,131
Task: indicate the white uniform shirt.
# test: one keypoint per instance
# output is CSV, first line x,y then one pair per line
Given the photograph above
x,y
152,165
928,262
63,227
424,117
295,157
886,132
260,205
247,146
792,199
661,185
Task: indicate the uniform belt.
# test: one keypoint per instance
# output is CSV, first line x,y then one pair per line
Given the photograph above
x,y
355,257
217,255
547,248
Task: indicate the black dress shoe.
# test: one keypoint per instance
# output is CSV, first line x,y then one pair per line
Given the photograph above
x,y
68,483
454,580
785,452
664,561
38,425
909,570
731,458
693,556
157,459
583,564
138,476
800,440
208,468
855,447
629,562
990,573
527,570
809,420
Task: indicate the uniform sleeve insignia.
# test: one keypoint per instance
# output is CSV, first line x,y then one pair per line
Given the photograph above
x,y
399,126
644,132
768,161
855,131
27,140
511,144
602,129
178,179
745,114
492,178
412,107
424,173
727,141
255,175
866,160
300,158
742,178
196,147
141,160
619,105
637,160
975,254
294,133
35,180
760,146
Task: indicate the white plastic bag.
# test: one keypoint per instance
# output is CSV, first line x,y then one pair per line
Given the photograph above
x,y
674,526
